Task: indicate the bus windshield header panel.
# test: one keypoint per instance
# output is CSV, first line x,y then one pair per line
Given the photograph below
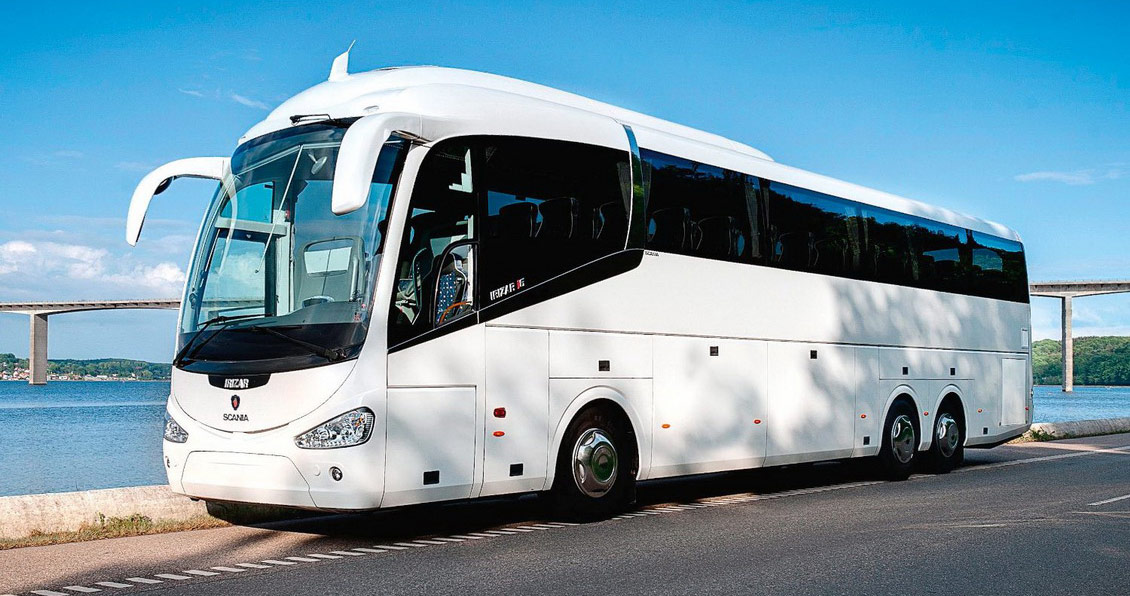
x,y
278,281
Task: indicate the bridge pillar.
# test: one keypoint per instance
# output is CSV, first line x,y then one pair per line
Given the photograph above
x,y
1068,348
37,353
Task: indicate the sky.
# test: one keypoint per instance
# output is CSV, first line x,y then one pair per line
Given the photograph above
x,y
1014,112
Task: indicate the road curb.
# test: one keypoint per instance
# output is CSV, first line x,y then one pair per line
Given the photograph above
x,y
1045,431
23,515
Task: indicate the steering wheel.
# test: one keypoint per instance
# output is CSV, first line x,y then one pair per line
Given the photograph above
x,y
448,310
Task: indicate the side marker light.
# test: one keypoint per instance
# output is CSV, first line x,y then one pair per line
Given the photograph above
x,y
757,421
498,433
665,426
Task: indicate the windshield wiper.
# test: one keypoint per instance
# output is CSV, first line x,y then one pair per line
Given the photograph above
x,y
184,354
324,352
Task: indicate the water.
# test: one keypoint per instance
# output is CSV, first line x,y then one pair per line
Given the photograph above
x,y
1085,403
79,435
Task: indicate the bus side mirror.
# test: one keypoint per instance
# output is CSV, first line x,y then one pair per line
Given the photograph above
x,y
357,158
155,182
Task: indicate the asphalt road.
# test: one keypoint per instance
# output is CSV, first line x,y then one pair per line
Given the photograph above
x,y
1019,519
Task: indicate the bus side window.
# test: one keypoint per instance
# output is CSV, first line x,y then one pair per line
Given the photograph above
x,y
551,206
699,210
813,231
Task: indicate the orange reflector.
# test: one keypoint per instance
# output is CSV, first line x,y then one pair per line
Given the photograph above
x,y
498,433
757,421
863,415
665,426
500,412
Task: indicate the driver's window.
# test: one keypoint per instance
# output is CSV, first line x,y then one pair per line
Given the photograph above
x,y
435,272
454,293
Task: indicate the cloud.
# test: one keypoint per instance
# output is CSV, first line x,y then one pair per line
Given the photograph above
x,y
247,101
54,158
1075,177
192,92
166,277
58,270
133,166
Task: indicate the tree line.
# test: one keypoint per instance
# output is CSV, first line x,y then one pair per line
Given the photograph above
x,y
110,367
1098,361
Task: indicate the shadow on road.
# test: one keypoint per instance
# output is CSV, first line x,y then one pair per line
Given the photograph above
x,y
422,521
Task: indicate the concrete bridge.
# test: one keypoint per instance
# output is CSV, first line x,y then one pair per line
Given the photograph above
x,y
39,311
1065,291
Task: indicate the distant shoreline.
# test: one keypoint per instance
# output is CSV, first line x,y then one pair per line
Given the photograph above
x,y
24,381
1088,386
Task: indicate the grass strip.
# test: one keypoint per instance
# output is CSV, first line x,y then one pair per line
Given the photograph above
x,y
114,527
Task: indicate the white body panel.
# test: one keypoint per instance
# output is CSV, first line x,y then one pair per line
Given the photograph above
x,y
430,430
640,340
710,410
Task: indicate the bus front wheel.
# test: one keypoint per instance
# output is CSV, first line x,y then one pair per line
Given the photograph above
x,y
595,466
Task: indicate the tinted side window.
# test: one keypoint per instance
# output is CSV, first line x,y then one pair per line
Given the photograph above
x,y
551,206
811,231
998,268
941,252
699,210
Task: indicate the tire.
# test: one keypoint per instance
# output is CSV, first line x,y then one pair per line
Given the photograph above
x,y
948,448
605,484
898,454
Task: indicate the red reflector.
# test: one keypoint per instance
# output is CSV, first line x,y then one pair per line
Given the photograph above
x,y
757,421
500,412
498,433
665,426
925,413
979,410
863,415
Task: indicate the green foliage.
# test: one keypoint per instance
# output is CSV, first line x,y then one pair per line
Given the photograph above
x,y
1098,361
108,367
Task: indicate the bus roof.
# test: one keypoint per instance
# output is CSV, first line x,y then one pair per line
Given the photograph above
x,y
362,93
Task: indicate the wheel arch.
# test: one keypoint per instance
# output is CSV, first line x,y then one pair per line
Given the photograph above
x,y
904,392
599,396
953,394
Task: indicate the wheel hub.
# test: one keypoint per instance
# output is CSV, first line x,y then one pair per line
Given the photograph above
x,y
903,442
949,435
595,463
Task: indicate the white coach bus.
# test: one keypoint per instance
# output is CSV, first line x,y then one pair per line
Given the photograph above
x,y
425,284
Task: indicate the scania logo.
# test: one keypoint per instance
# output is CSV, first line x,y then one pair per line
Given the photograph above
x,y
235,402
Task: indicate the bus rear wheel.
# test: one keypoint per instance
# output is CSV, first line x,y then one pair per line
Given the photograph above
x,y
900,442
948,449
595,467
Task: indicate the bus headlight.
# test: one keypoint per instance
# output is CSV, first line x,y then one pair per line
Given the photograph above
x,y
349,429
173,432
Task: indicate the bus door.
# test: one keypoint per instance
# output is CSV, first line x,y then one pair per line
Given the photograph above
x,y
435,362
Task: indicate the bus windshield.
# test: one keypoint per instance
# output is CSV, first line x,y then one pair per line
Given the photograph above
x,y
278,282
